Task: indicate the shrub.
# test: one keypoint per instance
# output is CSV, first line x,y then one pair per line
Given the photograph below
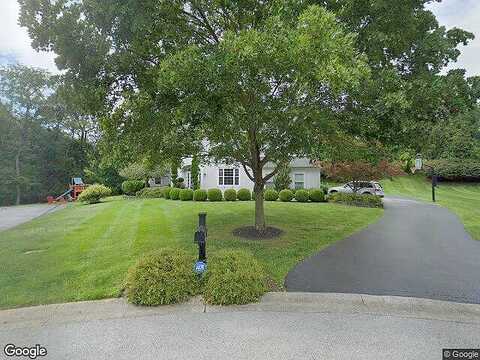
x,y
301,195
230,195
234,277
166,192
285,195
356,199
150,193
316,195
131,187
94,193
270,195
324,189
282,180
163,277
186,194
214,195
175,193
456,169
200,195
244,195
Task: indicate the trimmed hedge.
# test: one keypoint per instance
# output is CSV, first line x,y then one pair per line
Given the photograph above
x,y
285,195
214,195
175,193
230,195
356,199
200,195
186,194
316,195
150,193
270,195
131,187
301,195
244,195
456,169
166,192
163,277
94,193
234,277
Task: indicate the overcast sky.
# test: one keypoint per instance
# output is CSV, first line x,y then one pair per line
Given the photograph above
x,y
15,43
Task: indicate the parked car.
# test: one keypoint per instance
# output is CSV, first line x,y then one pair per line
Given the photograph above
x,y
360,187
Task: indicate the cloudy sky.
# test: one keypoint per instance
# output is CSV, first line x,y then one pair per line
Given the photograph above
x,y
15,43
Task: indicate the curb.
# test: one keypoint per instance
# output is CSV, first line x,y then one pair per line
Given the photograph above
x,y
353,304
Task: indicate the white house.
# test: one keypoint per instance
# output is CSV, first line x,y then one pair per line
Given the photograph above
x,y
303,172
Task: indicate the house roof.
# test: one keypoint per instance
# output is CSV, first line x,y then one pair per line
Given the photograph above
x,y
296,163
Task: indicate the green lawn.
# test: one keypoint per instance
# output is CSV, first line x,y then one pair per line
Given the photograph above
x,y
83,251
463,199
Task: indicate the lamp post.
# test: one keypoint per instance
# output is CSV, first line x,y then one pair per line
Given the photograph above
x,y
434,181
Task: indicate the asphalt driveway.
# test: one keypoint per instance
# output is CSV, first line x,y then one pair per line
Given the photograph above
x,y
12,216
417,250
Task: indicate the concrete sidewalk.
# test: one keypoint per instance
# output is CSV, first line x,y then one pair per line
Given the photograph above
x,y
281,326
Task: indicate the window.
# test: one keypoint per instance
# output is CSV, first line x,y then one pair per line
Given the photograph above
x,y
299,180
228,177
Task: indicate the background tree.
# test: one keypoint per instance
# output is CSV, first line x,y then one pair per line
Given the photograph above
x,y
195,172
282,179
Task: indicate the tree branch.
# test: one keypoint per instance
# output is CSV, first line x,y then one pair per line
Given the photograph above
x,y
250,176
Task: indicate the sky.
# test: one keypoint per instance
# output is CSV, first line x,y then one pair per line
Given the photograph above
x,y
15,43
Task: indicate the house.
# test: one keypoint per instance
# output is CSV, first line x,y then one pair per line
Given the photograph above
x,y
303,173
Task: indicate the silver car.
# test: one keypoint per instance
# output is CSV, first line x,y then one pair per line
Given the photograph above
x,y
359,187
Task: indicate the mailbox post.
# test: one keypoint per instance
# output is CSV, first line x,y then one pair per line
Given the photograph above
x,y
201,237
434,181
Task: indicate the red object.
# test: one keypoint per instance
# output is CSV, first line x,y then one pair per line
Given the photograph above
x,y
77,190
50,199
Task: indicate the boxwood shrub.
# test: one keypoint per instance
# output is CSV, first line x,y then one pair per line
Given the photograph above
x,y
214,195
301,195
175,193
270,195
230,195
456,169
356,199
166,192
244,195
234,277
285,195
316,195
200,195
163,277
186,194
130,187
150,193
94,193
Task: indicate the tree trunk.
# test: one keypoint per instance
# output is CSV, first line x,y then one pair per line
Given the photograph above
x,y
260,225
17,173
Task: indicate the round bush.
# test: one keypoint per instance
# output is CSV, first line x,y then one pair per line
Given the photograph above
x,y
131,187
234,277
317,195
244,195
166,192
214,195
175,193
200,195
230,195
286,195
163,277
301,195
150,193
270,195
186,194
94,193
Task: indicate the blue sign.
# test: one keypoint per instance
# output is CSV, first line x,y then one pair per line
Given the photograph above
x,y
200,267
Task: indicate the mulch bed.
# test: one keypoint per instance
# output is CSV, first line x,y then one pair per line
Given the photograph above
x,y
249,232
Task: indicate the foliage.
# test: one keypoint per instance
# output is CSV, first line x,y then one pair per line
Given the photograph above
x,y
407,160
234,277
270,195
456,169
131,187
143,171
94,193
244,194
285,195
282,180
160,278
345,171
180,183
195,172
214,195
151,193
316,195
186,194
175,193
301,195
356,199
166,192
200,195
324,189
230,195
